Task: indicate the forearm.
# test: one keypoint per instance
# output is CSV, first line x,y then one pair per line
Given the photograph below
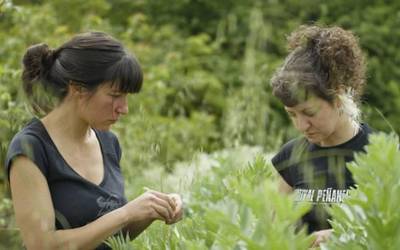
x,y
283,187
88,236
135,228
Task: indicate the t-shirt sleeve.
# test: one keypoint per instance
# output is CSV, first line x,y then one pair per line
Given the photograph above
x,y
280,162
29,146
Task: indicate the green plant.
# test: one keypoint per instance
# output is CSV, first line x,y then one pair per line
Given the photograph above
x,y
231,207
369,218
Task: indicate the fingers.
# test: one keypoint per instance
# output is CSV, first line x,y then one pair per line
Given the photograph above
x,y
169,207
315,243
162,213
178,207
165,197
321,237
162,207
318,240
162,196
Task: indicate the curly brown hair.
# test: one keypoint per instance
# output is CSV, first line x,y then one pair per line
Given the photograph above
x,y
324,61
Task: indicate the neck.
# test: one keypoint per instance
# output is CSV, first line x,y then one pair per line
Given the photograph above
x,y
64,122
345,130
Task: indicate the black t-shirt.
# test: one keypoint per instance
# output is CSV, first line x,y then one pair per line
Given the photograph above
x,y
319,174
76,200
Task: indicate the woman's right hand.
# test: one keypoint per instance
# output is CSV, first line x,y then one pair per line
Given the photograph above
x,y
151,205
321,237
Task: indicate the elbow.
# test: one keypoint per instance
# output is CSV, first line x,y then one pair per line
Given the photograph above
x,y
48,241
39,242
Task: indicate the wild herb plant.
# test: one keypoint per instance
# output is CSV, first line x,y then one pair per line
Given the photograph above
x,y
232,207
370,218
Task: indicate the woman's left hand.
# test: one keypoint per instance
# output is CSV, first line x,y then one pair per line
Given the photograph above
x,y
178,211
321,236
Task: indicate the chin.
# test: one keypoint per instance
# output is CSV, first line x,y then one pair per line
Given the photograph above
x,y
101,127
314,140
104,128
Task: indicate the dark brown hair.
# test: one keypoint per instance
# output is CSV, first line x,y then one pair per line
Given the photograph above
x,y
322,61
88,59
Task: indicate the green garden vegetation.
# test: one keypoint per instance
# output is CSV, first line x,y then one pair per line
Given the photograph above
x,y
237,206
206,121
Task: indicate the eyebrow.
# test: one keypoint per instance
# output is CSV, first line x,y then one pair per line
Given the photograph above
x,y
302,110
115,90
290,112
309,109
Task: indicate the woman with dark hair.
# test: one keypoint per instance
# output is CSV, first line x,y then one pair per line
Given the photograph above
x,y
320,84
64,172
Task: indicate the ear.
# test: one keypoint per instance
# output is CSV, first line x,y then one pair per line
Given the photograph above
x,y
75,88
338,106
339,92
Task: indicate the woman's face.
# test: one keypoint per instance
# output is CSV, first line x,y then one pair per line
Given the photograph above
x,y
316,118
104,107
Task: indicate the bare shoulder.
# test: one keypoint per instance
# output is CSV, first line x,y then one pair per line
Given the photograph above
x,y
31,199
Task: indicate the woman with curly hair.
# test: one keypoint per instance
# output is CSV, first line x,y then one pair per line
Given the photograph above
x,y
320,85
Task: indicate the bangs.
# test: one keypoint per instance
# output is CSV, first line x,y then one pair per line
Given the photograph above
x,y
293,87
126,75
290,95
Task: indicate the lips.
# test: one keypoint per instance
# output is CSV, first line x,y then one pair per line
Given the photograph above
x,y
310,134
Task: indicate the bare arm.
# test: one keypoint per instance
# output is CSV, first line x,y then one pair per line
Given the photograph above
x,y
36,220
284,187
135,229
320,236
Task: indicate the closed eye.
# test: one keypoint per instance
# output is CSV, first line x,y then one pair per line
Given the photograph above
x,y
309,113
115,95
291,114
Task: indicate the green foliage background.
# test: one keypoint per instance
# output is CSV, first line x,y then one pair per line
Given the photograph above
x,y
207,67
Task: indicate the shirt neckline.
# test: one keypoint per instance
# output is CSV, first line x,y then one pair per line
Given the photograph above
x,y
350,141
101,184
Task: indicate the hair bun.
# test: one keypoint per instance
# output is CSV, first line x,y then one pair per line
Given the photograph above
x,y
37,61
339,52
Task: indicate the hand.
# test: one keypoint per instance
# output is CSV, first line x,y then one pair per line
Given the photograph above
x,y
321,236
178,212
153,205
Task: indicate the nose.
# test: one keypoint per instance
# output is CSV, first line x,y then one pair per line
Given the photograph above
x,y
122,105
302,123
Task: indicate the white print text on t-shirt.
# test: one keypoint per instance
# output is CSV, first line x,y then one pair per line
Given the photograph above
x,y
328,195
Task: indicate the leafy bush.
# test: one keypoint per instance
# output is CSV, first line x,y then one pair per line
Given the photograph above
x,y
232,205
229,206
369,218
